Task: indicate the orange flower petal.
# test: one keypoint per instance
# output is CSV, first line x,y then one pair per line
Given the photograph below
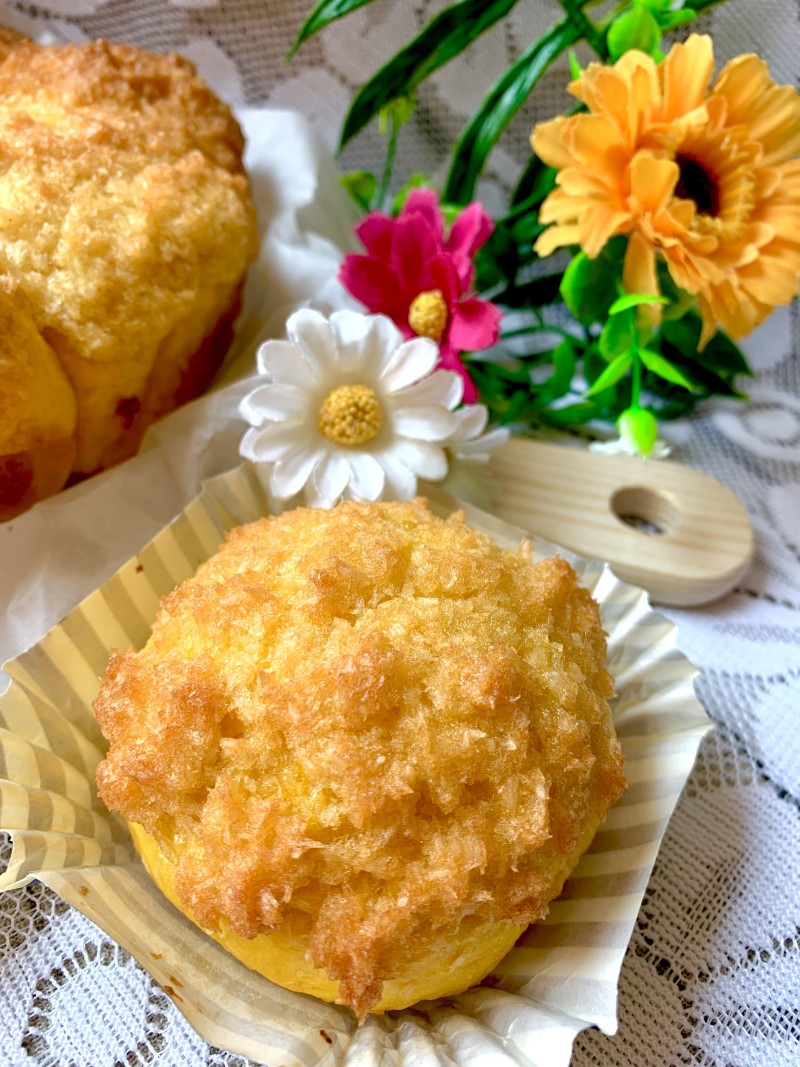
x,y
770,112
743,81
598,146
598,225
653,182
732,309
548,142
686,75
789,175
770,280
578,182
709,327
645,98
561,207
639,275
604,92
556,237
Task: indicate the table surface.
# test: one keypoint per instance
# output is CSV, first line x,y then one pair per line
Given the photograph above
x,y
712,972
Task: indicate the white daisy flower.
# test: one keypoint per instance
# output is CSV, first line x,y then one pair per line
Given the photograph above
x,y
468,441
350,410
468,448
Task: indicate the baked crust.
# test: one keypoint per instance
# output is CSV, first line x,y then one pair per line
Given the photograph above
x,y
38,414
369,724
127,221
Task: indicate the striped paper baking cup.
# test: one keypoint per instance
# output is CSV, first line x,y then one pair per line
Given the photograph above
x,y
562,975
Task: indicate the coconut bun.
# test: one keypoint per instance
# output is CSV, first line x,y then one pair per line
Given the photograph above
x,y
128,227
364,747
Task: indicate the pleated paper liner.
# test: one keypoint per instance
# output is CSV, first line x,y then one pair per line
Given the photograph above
x,y
560,978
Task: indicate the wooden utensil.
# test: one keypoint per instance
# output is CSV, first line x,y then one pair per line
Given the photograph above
x,y
674,531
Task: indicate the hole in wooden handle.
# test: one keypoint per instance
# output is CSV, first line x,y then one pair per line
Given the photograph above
x,y
645,510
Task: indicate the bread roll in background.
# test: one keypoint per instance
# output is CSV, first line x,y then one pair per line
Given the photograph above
x,y
364,747
127,229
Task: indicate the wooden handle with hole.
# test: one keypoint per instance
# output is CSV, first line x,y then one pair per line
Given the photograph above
x,y
674,531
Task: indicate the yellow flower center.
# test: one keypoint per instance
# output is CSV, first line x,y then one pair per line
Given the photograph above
x,y
427,315
351,415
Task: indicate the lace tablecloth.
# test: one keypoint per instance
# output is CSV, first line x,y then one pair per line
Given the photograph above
x,y
712,974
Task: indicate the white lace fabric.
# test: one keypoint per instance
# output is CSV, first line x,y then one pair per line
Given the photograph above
x,y
712,974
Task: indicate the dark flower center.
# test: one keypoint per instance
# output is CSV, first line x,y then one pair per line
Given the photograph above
x,y
697,184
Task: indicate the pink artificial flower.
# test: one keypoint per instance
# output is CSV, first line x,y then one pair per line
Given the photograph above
x,y
421,277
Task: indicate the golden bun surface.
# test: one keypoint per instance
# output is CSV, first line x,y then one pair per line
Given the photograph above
x,y
452,962
368,726
128,225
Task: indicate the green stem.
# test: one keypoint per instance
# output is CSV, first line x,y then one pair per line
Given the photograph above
x,y
636,383
388,166
593,37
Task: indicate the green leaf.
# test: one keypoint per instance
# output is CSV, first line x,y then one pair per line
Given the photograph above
x,y
662,367
720,354
639,427
708,382
515,405
619,335
526,229
397,113
632,300
574,65
325,12
637,28
444,37
514,371
558,384
589,288
572,414
613,373
672,19
362,186
503,101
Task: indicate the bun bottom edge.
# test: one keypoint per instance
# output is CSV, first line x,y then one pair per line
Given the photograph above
x,y
450,966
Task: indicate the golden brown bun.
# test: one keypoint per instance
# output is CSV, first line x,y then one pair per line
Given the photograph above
x,y
128,226
367,727
9,39
37,408
452,962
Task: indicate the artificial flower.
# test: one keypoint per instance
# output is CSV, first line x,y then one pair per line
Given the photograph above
x,y
638,436
468,441
703,177
350,409
623,446
421,276
468,449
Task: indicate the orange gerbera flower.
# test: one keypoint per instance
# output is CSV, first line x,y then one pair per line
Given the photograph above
x,y
705,177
